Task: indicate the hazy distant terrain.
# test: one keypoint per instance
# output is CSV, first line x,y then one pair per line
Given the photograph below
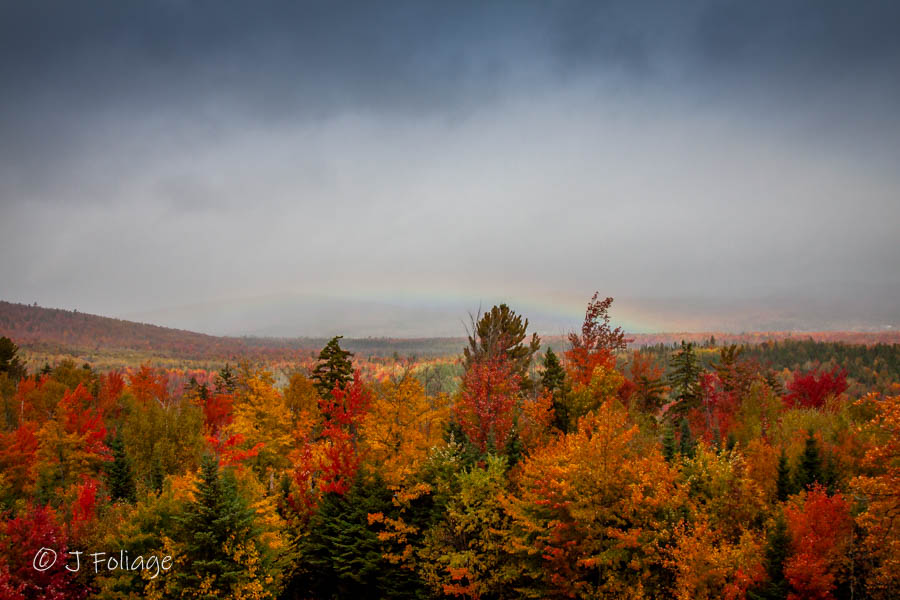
x,y
59,331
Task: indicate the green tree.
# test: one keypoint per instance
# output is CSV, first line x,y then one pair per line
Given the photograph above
x,y
9,360
685,379
687,445
334,368
502,331
784,486
341,555
210,527
119,475
668,442
778,543
809,469
553,380
226,380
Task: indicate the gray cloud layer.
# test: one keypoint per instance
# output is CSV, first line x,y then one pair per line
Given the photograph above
x,y
675,155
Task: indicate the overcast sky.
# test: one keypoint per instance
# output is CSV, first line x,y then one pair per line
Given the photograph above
x,y
368,168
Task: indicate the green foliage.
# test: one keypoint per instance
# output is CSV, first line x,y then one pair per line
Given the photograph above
x,y
502,331
687,445
809,469
777,550
10,364
211,528
119,475
341,556
334,369
784,484
684,379
669,448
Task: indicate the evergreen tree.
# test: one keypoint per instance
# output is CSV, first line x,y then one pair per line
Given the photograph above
x,y
119,475
685,379
553,380
688,445
554,375
226,380
778,544
341,556
9,359
784,486
334,368
218,515
809,471
502,331
668,442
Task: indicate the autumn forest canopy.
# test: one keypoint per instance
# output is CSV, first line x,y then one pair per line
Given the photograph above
x,y
510,469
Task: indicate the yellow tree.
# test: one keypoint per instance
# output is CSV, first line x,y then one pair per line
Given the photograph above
x,y
591,510
881,486
263,422
401,426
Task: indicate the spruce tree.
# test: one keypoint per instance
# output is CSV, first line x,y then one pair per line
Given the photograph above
x,y
502,332
554,375
688,445
341,556
668,442
685,379
9,359
778,544
784,487
809,470
218,515
226,380
553,380
334,368
119,475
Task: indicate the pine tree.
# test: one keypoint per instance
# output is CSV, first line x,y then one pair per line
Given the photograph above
x,y
778,544
341,557
784,487
226,380
334,368
685,379
554,375
119,475
809,471
9,360
218,516
688,445
668,442
502,332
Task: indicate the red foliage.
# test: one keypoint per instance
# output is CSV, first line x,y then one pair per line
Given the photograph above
x,y
811,389
596,333
820,531
112,385
148,385
343,413
79,416
715,418
217,412
485,410
229,453
17,455
20,541
84,509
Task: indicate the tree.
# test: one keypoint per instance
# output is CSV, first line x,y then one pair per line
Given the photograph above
x,y
226,380
687,445
809,469
554,376
648,388
596,334
211,528
669,448
119,475
9,360
812,389
334,369
777,551
341,555
486,406
501,332
685,380
784,486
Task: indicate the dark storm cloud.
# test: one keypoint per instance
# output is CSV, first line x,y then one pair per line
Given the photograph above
x,y
144,138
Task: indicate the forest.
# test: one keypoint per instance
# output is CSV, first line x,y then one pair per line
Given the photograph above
x,y
587,468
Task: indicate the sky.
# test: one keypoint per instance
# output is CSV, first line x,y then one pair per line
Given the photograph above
x,y
313,168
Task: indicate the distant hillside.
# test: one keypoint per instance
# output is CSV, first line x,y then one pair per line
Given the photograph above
x,y
61,331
